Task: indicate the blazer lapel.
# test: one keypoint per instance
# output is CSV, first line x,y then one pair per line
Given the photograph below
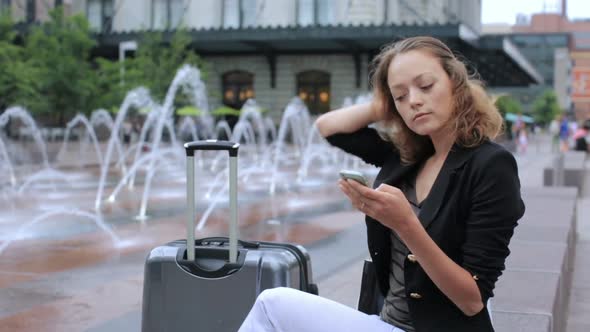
x,y
436,198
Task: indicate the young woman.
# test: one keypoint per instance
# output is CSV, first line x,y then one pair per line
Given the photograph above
x,y
443,207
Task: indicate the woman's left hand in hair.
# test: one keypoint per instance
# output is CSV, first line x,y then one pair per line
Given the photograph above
x,y
386,204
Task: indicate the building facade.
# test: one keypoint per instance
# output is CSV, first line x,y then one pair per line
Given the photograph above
x,y
579,53
273,50
323,77
138,15
29,11
550,54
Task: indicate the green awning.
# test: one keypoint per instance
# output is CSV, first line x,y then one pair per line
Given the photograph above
x,y
226,110
189,111
497,60
513,117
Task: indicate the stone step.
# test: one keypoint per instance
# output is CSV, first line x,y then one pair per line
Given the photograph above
x,y
505,321
533,292
530,292
570,193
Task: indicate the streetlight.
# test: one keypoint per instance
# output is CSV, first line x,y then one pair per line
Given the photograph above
x,y
130,45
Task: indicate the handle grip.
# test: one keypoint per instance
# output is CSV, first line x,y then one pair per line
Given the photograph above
x,y
220,239
211,144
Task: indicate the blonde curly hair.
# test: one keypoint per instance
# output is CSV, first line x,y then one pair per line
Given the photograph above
x,y
475,117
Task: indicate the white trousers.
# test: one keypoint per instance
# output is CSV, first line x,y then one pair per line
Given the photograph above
x,y
286,309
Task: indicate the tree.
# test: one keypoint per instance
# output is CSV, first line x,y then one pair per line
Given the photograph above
x,y
54,75
59,52
109,90
507,104
546,108
153,66
156,61
18,85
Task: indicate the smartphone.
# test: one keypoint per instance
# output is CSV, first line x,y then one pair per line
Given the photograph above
x,y
354,175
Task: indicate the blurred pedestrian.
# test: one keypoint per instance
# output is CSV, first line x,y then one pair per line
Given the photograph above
x,y
127,130
564,134
582,137
523,141
554,132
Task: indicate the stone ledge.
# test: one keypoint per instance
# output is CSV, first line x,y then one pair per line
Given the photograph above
x,y
573,170
505,321
531,292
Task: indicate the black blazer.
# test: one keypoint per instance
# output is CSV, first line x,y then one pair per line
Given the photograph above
x,y
470,213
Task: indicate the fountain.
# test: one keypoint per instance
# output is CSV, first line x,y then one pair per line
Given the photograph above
x,y
101,117
189,78
222,126
68,233
244,133
47,174
188,125
73,212
7,162
295,118
81,119
315,149
143,138
252,112
25,117
274,161
165,153
347,102
136,98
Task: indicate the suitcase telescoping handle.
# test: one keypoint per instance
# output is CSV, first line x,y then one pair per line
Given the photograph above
x,y
215,145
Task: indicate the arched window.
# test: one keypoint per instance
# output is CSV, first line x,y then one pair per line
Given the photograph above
x,y
313,87
237,86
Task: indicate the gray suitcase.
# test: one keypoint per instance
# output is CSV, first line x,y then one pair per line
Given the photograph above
x,y
211,285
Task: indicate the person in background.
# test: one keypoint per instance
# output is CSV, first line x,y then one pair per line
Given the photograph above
x,y
127,131
523,140
582,136
441,212
520,133
573,128
554,132
518,124
564,134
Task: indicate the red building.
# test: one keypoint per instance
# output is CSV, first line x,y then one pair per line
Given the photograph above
x,y
579,52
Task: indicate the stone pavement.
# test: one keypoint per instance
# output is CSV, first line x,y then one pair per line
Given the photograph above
x,y
103,293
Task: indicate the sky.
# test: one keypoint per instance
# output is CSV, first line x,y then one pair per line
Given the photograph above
x,y
504,11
